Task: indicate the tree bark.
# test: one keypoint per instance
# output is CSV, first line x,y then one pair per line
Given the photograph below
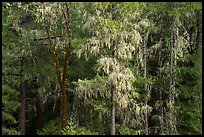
x,y
145,84
22,110
169,107
61,81
112,110
172,120
171,64
160,82
112,86
66,60
198,37
39,113
160,95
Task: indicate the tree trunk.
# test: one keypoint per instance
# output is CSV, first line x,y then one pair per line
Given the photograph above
x,y
112,110
22,110
145,84
170,83
39,113
63,116
112,87
63,95
160,95
172,120
66,60
171,66
160,82
198,37
61,81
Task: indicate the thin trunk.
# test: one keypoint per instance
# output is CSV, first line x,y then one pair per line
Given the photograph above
x,y
39,113
171,66
198,37
145,84
160,82
160,96
169,107
91,116
75,110
63,116
61,81
172,121
112,87
171,94
22,111
162,121
66,60
113,111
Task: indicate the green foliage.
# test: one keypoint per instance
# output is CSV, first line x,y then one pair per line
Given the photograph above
x,y
110,24
189,105
6,131
70,129
92,25
50,128
77,42
73,129
9,105
124,129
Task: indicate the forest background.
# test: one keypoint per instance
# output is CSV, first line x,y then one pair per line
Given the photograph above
x,y
124,68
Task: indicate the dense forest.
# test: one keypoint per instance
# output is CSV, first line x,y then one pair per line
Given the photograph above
x,y
101,68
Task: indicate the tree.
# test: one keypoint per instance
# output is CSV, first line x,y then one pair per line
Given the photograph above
x,y
14,32
48,20
117,41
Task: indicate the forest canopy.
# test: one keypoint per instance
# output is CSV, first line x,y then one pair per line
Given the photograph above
x,y
101,68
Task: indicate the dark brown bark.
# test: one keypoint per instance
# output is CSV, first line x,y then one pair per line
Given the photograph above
x,y
39,117
63,116
61,81
39,113
66,60
22,110
112,111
